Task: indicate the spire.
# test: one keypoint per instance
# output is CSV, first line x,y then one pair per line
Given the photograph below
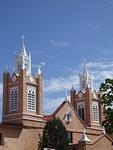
x,y
23,60
39,71
66,95
6,70
23,46
84,137
85,71
72,89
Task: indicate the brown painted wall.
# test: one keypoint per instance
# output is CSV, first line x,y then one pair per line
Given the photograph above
x,y
20,139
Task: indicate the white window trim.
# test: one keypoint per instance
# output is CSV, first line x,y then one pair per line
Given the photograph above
x,y
95,103
68,120
31,88
11,89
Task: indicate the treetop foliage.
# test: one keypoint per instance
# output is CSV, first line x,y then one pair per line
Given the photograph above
x,y
106,90
54,135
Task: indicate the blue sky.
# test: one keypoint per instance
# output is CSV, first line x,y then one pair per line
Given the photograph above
x,y
59,34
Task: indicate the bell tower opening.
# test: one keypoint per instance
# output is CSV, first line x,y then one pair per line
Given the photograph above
x,y
81,110
23,60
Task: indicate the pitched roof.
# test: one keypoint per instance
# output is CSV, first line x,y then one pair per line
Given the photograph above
x,y
60,107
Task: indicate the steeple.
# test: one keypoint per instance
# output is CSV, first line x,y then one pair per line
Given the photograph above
x,y
22,100
6,70
85,79
23,60
66,94
85,71
23,51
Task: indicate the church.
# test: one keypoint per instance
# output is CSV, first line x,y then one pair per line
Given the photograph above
x,y
23,120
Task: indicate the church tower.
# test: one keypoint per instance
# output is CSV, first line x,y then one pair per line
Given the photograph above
x,y
86,102
22,93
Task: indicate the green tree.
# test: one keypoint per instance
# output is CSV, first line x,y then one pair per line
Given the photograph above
x,y
106,90
54,136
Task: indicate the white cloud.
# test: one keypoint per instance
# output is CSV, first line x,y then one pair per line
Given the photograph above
x,y
42,64
49,106
54,85
99,70
59,44
100,65
107,51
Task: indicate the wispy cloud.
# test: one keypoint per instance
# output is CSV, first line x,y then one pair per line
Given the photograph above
x,y
59,44
100,70
42,64
105,65
55,85
107,51
43,54
50,105
95,26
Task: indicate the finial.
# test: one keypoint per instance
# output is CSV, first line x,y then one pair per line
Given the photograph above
x,y
84,137
23,45
85,71
73,89
6,70
39,71
66,95
103,130
84,62
84,131
23,38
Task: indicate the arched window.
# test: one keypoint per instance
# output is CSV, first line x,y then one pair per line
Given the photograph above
x,y
68,116
26,64
81,110
83,84
31,98
19,66
95,111
14,96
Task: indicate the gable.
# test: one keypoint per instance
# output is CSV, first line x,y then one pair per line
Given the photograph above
x,y
104,143
75,125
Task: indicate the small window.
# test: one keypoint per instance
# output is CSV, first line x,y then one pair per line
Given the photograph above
x,y
83,84
26,65
19,66
68,116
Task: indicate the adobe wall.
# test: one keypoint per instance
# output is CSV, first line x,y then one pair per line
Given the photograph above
x,y
20,139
